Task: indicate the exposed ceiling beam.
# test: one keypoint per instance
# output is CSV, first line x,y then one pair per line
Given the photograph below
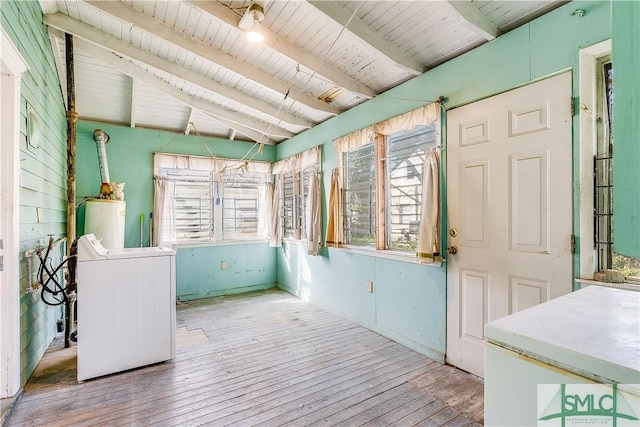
x,y
134,101
251,128
471,17
88,33
190,121
159,29
286,48
339,14
48,6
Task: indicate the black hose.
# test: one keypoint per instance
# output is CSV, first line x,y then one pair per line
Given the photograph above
x,y
52,293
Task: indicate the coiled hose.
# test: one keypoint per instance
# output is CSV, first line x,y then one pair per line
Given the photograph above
x,y
53,292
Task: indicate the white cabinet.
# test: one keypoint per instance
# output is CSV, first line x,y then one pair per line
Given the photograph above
x,y
591,336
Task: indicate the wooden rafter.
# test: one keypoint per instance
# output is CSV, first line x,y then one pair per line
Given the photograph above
x,y
97,37
287,49
257,131
336,12
134,96
159,29
471,17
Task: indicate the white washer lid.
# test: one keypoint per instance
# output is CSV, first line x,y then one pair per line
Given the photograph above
x,y
139,252
90,249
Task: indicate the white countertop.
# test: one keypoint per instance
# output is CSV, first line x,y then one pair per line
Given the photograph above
x,y
593,332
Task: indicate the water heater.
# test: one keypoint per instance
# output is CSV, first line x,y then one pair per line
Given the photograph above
x,y
105,219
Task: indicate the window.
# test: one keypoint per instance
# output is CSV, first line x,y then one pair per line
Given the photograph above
x,y
295,193
290,205
407,152
243,194
294,175
401,155
359,196
603,179
193,205
201,200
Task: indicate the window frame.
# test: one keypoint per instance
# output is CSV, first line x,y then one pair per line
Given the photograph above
x,y
181,208
216,169
225,188
383,187
373,208
300,168
591,59
394,154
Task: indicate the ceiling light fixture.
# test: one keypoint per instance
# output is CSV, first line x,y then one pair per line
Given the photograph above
x,y
254,34
250,22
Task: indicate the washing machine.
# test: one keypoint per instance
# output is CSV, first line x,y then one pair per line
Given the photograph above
x,y
126,307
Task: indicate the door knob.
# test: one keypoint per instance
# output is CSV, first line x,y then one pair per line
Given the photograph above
x,y
452,250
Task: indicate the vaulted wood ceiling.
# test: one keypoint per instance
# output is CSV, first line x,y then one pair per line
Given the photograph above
x,y
186,66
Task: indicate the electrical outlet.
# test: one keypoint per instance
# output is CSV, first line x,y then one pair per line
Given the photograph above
x,y
223,265
370,286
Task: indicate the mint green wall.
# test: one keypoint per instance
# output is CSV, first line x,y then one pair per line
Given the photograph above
x,y
43,171
130,156
250,267
626,125
407,305
409,300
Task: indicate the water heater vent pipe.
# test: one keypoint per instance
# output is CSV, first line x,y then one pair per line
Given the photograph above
x,y
101,138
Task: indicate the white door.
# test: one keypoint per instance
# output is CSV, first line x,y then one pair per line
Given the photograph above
x,y
509,198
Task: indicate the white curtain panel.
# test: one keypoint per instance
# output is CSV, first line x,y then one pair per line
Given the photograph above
x,y
354,140
424,115
163,218
265,194
314,216
297,162
421,116
428,250
274,194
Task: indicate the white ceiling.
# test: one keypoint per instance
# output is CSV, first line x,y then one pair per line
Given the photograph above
x,y
185,66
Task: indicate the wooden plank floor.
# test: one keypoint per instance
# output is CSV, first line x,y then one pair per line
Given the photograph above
x,y
264,358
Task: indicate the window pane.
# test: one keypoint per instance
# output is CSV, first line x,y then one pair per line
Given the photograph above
x,y
359,199
193,205
288,195
240,204
603,182
628,266
295,189
407,153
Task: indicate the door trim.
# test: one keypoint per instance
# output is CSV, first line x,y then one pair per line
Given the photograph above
x,y
13,66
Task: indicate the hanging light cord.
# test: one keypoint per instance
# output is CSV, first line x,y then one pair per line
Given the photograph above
x,y
312,75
